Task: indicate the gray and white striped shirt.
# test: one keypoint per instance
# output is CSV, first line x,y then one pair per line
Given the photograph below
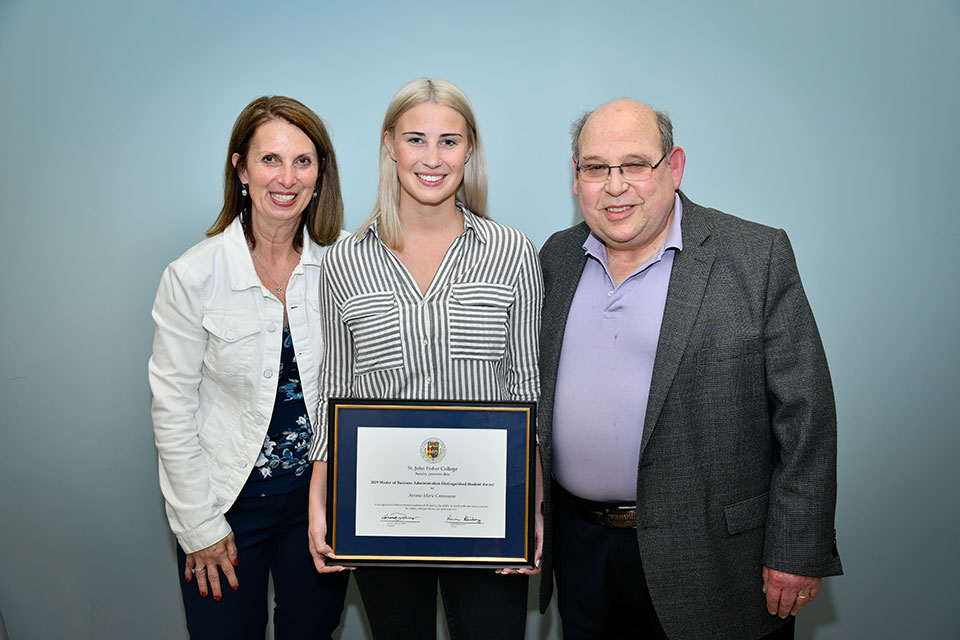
x,y
472,336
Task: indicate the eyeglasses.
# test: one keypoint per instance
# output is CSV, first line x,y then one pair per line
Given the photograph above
x,y
632,171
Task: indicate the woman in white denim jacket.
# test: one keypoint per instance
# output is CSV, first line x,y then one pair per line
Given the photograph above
x,y
234,373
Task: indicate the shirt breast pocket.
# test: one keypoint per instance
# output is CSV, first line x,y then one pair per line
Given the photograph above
x,y
374,322
233,341
478,313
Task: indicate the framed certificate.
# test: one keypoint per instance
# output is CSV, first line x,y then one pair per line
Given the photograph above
x,y
431,483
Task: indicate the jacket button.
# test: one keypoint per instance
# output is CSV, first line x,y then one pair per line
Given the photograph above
x,y
230,335
258,419
271,327
267,373
241,462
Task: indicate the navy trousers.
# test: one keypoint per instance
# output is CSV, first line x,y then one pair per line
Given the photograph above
x,y
271,537
401,603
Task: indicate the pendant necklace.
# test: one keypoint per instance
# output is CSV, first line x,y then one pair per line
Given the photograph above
x,y
270,275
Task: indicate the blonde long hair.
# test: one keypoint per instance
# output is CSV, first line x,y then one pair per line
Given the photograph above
x,y
472,192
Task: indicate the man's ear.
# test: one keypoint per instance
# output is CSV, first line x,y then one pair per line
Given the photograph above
x,y
677,161
576,178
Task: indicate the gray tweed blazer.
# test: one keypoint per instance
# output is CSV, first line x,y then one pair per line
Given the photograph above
x,y
738,456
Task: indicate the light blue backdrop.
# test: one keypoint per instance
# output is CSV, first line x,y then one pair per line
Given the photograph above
x,y
834,120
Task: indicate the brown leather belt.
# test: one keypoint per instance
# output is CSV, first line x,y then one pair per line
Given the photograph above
x,y
606,514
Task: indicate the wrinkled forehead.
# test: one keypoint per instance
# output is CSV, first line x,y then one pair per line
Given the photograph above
x,y
621,132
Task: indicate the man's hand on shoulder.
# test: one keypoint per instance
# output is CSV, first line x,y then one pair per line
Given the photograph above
x,y
788,593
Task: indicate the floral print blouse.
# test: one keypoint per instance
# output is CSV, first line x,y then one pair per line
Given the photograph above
x,y
282,464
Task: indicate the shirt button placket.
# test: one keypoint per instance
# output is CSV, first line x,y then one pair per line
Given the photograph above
x,y
425,340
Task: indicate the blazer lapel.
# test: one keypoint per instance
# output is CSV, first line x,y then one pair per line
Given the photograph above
x,y
688,280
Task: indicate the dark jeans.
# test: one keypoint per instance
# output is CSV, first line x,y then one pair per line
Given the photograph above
x,y
601,589
271,537
480,604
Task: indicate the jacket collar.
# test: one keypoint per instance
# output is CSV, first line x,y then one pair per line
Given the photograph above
x,y
696,227
243,274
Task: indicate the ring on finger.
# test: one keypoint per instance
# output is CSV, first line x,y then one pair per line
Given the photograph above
x,y
198,569
802,597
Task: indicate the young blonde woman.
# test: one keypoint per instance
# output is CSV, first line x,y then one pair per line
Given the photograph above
x,y
432,300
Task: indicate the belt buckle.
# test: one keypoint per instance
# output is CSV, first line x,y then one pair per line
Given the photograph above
x,y
609,522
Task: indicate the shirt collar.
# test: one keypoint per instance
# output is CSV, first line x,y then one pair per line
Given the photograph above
x,y
674,239
370,230
470,221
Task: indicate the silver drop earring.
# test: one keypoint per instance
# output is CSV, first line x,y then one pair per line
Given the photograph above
x,y
314,193
243,189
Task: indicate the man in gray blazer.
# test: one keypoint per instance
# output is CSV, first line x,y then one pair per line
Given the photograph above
x,y
686,415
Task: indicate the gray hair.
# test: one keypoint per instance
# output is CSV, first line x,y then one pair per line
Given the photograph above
x,y
663,123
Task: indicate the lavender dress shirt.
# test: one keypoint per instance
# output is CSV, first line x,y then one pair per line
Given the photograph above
x,y
603,379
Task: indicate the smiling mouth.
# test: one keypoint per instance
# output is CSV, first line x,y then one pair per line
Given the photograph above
x,y
618,209
282,198
430,179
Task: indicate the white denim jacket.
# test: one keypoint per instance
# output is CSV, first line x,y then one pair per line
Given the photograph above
x,y
214,371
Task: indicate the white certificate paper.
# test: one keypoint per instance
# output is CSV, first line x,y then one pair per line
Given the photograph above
x,y
431,482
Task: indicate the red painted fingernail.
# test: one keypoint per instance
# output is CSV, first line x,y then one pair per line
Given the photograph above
x,y
235,562
217,598
235,588
203,594
188,579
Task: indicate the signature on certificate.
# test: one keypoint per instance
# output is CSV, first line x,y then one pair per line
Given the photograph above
x,y
398,518
458,520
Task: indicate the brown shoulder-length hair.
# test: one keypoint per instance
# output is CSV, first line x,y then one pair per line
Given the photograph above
x,y
323,217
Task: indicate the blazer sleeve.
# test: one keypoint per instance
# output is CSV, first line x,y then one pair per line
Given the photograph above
x,y
800,536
